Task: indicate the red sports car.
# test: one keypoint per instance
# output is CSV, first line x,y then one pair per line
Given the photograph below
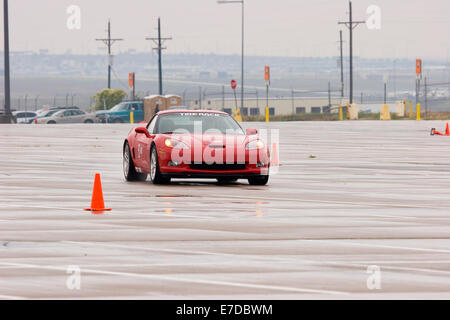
x,y
195,144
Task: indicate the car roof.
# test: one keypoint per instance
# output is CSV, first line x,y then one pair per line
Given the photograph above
x,y
191,111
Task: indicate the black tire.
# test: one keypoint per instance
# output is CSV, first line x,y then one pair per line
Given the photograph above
x,y
226,180
129,171
51,122
155,174
88,121
258,181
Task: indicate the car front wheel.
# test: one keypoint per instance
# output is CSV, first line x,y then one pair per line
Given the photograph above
x,y
258,181
129,170
155,174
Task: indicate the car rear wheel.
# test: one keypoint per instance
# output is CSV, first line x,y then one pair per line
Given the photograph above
x,y
155,174
51,122
129,170
88,121
258,181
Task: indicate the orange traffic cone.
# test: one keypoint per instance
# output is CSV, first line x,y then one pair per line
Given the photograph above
x,y
97,203
274,161
447,130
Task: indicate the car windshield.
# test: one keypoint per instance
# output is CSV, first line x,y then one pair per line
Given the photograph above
x,y
120,107
47,113
196,121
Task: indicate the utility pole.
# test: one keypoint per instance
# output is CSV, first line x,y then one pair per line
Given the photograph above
x,y
351,25
6,58
109,42
242,43
36,102
329,95
342,64
159,47
292,100
223,98
426,98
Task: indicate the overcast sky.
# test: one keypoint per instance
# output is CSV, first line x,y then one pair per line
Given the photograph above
x,y
409,28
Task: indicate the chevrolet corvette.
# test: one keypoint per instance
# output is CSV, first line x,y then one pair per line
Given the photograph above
x,y
195,144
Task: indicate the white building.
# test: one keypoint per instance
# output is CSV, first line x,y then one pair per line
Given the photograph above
x,y
277,106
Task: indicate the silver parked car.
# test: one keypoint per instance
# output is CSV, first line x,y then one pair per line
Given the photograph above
x,y
68,116
24,116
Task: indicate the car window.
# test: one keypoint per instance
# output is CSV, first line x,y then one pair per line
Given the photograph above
x,y
121,107
191,121
67,113
30,114
21,115
151,126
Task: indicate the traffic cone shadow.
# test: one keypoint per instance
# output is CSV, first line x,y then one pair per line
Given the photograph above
x,y
97,203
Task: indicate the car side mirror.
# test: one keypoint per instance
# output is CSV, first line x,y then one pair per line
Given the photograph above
x,y
251,132
142,130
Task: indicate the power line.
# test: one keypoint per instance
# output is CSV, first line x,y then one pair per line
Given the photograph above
x,y
109,42
159,41
351,25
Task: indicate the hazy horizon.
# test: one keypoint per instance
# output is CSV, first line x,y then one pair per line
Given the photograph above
x,y
284,28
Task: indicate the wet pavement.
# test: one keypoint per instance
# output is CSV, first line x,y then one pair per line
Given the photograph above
x,y
350,198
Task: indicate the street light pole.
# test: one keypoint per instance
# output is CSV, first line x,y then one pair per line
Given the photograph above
x,y
6,60
242,44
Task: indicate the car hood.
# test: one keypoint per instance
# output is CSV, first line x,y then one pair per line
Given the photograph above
x,y
213,139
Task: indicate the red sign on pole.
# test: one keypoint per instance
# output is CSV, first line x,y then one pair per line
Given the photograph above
x,y
233,84
267,73
131,79
418,66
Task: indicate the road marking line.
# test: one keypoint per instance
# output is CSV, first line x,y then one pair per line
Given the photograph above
x,y
380,246
330,202
11,297
186,280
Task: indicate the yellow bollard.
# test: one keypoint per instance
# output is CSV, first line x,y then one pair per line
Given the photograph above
x,y
418,111
341,113
237,115
267,115
410,110
131,117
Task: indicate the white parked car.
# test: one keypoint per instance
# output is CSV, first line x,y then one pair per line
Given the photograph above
x,y
24,116
68,116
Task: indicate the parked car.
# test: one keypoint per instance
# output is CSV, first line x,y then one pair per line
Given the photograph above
x,y
24,116
68,116
121,113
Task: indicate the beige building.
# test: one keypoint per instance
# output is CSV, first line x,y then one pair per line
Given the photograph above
x,y
277,106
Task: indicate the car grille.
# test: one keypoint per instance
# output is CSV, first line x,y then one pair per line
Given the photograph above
x,y
218,166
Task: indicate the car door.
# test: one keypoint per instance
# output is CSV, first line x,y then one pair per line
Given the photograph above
x,y
138,111
78,116
142,147
66,117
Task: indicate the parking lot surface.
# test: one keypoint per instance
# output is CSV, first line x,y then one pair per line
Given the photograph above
x,y
357,210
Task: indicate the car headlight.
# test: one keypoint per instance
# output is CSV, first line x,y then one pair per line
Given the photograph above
x,y
255,145
176,144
